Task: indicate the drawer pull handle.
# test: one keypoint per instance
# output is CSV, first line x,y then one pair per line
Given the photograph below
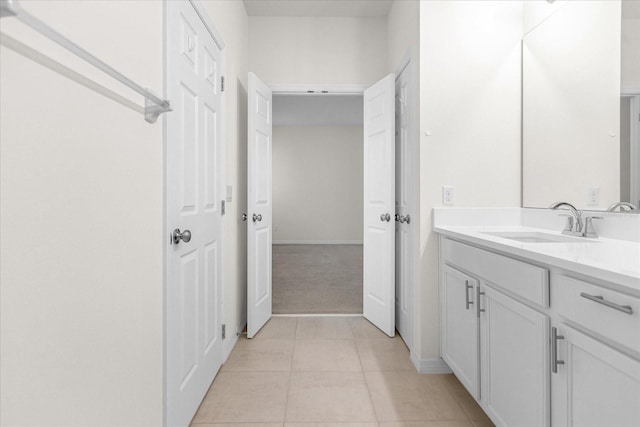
x,y
467,286
554,350
600,300
478,309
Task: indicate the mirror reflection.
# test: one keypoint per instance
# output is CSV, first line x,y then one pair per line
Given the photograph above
x,y
581,104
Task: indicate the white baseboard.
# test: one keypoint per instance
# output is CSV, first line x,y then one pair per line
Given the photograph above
x,y
317,242
430,366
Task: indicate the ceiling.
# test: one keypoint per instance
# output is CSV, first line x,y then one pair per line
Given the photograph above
x,y
317,110
348,8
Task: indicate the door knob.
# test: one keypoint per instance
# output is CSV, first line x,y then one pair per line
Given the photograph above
x,y
244,217
257,218
385,217
185,236
406,219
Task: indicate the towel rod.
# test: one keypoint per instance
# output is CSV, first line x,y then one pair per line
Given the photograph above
x,y
154,106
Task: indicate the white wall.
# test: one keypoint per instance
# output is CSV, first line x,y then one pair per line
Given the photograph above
x,y
470,104
317,50
230,19
81,225
317,184
631,55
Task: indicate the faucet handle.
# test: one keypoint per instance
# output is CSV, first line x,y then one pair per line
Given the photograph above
x,y
589,231
569,224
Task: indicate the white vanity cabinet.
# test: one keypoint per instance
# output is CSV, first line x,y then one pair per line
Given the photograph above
x,y
459,345
495,343
515,361
538,345
594,383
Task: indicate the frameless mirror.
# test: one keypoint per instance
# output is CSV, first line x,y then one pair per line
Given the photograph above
x,y
581,103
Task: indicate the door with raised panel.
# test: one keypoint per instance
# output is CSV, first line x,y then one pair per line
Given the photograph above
x,y
259,205
514,350
379,205
459,323
405,204
194,183
596,385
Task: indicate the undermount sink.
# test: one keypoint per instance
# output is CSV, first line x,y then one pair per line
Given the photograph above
x,y
537,237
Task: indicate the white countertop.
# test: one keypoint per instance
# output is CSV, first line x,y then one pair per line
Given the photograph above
x,y
611,260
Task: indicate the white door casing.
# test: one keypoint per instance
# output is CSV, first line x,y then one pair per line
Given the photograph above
x,y
379,205
406,216
259,205
194,191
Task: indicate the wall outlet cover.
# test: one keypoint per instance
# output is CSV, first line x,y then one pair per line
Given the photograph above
x,y
448,195
593,196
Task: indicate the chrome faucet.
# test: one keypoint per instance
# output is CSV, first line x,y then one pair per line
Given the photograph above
x,y
574,222
624,206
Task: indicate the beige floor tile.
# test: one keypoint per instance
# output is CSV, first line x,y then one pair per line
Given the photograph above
x,y
324,328
470,406
326,356
384,355
486,423
427,424
363,329
328,397
402,396
237,424
245,397
263,355
355,424
281,328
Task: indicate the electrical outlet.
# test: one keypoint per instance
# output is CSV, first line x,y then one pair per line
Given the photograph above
x,y
447,195
593,196
275,228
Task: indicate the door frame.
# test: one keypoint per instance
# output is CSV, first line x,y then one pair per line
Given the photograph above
x,y
358,89
211,29
408,62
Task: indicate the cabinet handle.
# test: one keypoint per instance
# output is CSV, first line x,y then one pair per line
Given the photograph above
x,y
467,286
478,309
554,350
600,300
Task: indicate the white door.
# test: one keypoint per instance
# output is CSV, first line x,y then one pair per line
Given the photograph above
x,y
514,350
596,385
459,322
379,205
259,205
405,204
194,183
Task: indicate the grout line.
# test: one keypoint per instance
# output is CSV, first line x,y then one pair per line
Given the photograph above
x,y
293,352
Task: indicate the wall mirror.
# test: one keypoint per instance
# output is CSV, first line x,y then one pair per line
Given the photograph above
x,y
581,104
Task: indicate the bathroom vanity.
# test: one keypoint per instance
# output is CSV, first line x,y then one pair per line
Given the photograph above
x,y
541,328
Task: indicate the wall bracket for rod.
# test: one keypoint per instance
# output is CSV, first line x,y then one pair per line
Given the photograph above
x,y
152,110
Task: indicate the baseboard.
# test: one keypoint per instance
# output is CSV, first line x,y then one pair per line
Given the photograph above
x,y
430,366
317,242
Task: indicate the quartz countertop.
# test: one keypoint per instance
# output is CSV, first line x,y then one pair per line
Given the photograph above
x,y
614,261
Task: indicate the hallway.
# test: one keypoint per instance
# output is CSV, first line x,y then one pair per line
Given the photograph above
x,y
332,370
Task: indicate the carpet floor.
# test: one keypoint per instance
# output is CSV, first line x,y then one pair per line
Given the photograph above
x,y
317,279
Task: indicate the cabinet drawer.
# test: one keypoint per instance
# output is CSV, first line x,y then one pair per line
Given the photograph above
x,y
525,280
601,310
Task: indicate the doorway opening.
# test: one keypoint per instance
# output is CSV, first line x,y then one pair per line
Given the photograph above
x,y
317,203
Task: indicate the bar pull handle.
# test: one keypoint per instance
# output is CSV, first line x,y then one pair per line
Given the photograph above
x,y
467,286
478,309
600,300
554,350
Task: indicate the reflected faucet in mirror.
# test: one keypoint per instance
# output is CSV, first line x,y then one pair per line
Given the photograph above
x,y
623,206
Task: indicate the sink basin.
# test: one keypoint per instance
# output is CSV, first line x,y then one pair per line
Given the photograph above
x,y
537,237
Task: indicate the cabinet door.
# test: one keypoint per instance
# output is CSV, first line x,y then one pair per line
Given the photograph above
x,y
515,361
596,386
459,334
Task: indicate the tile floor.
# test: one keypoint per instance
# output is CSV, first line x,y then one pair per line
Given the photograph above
x,y
331,371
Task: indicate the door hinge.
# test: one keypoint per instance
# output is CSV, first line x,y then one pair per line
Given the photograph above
x,y
224,331
222,84
223,207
